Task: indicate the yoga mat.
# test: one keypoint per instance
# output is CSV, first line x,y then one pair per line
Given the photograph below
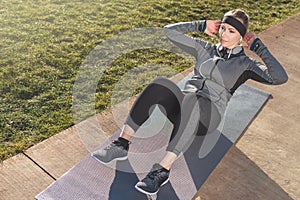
x,y
90,179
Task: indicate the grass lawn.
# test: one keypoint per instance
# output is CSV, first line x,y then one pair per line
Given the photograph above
x,y
44,42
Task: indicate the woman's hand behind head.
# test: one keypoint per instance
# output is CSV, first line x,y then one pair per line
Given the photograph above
x,y
249,38
212,27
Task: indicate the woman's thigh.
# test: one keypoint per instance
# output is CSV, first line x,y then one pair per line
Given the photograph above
x,y
160,91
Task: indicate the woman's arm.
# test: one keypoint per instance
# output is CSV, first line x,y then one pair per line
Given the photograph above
x,y
272,72
177,34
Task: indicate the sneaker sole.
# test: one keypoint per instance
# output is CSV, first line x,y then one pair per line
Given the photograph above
x,y
106,163
149,193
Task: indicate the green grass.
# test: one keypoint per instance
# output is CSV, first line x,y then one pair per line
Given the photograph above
x,y
44,42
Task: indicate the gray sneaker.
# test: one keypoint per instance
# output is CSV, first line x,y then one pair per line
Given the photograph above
x,y
114,151
157,177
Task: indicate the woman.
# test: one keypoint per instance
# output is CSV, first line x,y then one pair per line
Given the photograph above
x,y
219,70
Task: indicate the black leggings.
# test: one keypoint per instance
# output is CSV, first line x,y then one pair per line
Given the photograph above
x,y
190,114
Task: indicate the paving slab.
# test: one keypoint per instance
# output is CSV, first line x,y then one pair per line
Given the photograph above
x,y
59,153
20,178
238,177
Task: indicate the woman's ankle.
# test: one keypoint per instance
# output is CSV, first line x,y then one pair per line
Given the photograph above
x,y
127,132
125,136
168,160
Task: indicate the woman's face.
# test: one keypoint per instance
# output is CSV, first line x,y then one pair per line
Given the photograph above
x,y
229,36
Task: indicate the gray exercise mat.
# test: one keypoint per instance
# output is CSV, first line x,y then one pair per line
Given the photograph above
x,y
90,179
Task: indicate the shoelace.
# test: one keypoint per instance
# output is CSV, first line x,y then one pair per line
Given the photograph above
x,y
113,144
155,174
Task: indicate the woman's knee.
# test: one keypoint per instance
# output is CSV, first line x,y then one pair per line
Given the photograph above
x,y
161,81
164,84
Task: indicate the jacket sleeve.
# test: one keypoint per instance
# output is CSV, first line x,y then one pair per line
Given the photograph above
x,y
271,72
176,33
